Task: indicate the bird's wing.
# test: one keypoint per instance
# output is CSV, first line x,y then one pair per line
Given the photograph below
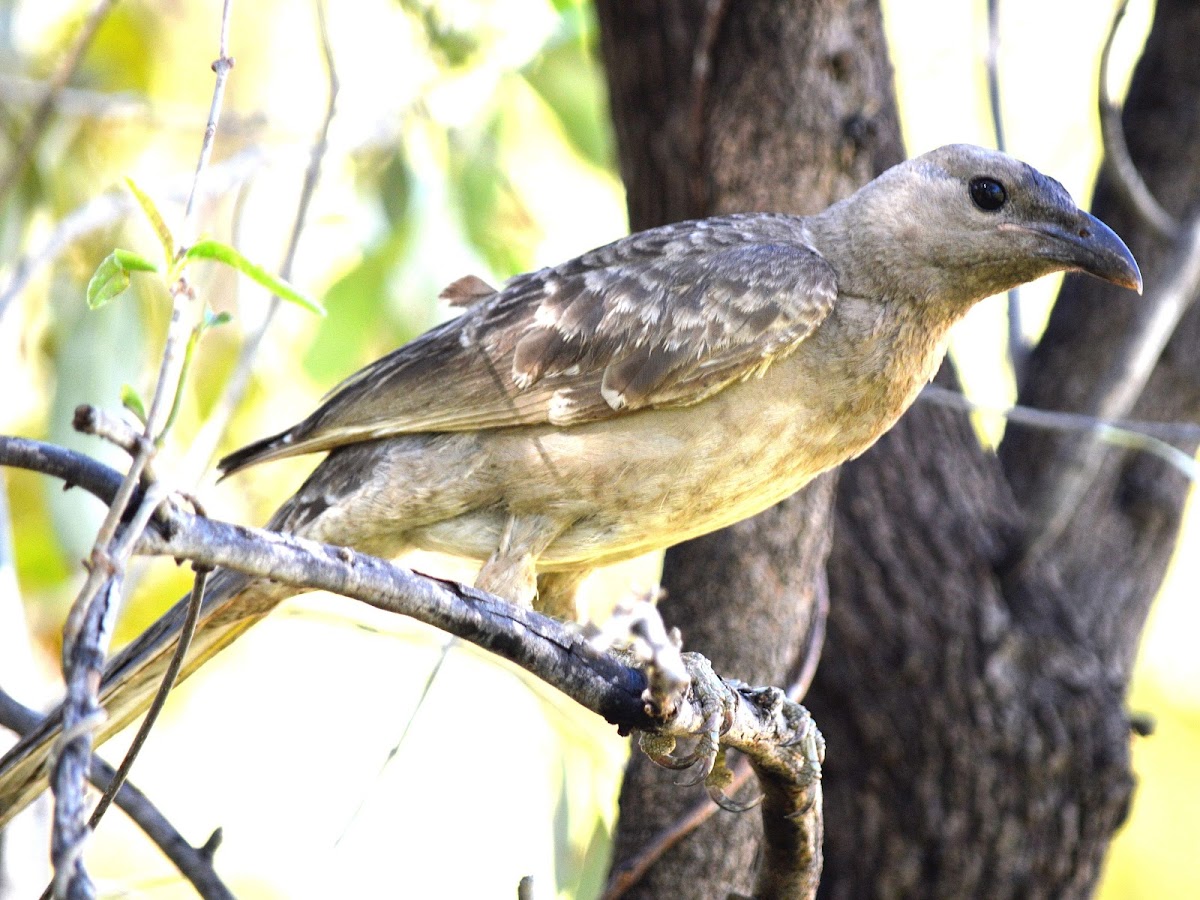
x,y
666,317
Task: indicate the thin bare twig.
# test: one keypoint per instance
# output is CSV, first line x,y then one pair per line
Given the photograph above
x,y
214,427
1147,437
88,628
221,66
160,698
634,870
92,420
41,115
430,677
1073,471
813,647
1018,348
1126,178
313,172
194,863
993,72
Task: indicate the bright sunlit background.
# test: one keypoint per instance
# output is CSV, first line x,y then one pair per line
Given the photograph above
x,y
348,753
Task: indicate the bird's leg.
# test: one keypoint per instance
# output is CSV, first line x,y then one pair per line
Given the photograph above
x,y
512,579
511,572
556,593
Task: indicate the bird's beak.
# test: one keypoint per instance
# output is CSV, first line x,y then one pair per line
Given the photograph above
x,y
1088,245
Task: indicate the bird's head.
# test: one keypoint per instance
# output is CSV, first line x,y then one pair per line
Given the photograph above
x,y
961,223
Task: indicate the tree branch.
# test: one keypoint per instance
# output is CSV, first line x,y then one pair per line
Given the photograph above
x,y
1126,177
630,871
194,863
1073,471
195,600
761,722
88,629
1147,437
221,66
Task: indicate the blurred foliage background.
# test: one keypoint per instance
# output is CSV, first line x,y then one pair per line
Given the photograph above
x,y
344,751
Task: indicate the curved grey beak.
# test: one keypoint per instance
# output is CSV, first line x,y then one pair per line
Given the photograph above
x,y
1094,248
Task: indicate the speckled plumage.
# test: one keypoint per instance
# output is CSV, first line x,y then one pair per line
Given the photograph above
x,y
649,391
674,381
662,318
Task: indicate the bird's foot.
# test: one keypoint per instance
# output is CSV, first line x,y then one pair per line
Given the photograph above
x,y
691,703
716,700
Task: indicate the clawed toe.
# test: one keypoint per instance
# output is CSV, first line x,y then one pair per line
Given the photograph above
x,y
661,749
728,804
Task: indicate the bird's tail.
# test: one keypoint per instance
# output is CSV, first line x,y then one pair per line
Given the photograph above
x,y
233,602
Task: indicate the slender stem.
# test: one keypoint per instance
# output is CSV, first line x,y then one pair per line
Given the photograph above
x,y
195,864
195,601
221,66
189,351
87,632
1126,177
235,388
1018,348
1148,437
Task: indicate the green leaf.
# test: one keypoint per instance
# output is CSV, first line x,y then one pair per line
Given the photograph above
x,y
133,262
112,276
223,253
156,220
215,320
132,401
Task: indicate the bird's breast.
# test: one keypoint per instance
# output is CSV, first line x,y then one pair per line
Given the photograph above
x,y
649,479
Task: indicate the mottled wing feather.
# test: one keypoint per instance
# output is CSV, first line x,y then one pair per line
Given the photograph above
x,y
666,317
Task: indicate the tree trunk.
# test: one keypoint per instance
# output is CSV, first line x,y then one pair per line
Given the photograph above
x,y
973,706
762,105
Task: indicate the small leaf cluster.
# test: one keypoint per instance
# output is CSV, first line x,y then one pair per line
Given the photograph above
x,y
113,275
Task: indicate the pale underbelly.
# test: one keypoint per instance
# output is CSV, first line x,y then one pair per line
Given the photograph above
x,y
643,482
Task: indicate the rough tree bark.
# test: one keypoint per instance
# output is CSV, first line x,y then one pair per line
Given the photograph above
x,y
761,105
974,708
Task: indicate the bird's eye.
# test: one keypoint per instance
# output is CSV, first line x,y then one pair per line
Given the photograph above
x,y
988,194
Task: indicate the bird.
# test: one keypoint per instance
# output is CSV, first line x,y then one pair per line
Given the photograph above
x,y
649,391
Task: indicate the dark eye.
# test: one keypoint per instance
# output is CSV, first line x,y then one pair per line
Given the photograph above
x,y
988,194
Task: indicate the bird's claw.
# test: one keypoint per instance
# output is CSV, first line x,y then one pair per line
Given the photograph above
x,y
708,749
716,702
660,748
728,804
720,780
